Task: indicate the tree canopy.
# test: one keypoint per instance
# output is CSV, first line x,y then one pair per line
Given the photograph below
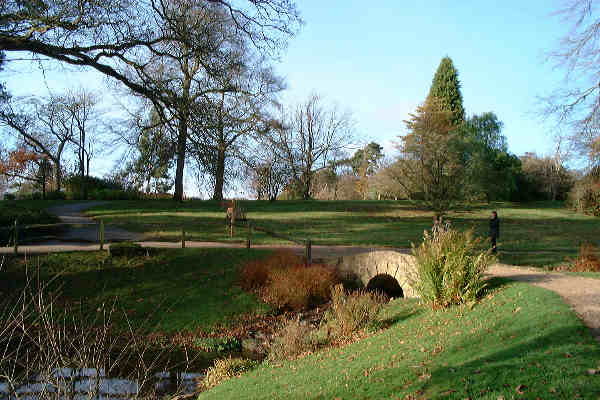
x,y
116,37
446,87
430,167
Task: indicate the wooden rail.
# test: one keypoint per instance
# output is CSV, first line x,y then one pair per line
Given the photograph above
x,y
14,234
307,243
13,231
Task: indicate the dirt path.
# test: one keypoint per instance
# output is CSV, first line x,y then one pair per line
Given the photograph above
x,y
87,230
583,294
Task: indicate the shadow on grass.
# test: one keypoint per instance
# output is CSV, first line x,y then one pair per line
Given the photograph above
x,y
520,368
177,289
402,316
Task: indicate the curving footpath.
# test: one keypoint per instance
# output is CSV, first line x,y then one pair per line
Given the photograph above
x,y
582,294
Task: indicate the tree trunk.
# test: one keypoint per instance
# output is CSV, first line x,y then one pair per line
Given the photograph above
x,y
180,151
306,191
87,178
82,189
220,174
58,175
57,163
44,178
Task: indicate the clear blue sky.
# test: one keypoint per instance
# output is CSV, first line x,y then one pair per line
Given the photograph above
x,y
378,60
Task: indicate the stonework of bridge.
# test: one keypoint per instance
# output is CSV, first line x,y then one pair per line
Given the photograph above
x,y
362,268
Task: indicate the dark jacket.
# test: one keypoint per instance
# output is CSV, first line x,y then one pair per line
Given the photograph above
x,y
495,227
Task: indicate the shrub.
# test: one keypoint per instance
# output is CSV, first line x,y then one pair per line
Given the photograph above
x,y
9,196
449,268
74,183
126,249
284,281
219,344
113,194
352,312
255,274
56,195
224,369
300,287
587,260
156,196
293,340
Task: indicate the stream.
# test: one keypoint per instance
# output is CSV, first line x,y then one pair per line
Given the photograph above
x,y
92,384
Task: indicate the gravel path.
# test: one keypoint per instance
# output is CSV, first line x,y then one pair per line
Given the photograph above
x,y
87,230
583,294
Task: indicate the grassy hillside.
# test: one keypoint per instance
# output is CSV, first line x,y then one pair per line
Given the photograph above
x,y
520,342
172,290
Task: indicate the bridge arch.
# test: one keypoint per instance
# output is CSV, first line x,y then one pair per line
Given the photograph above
x,y
364,267
387,284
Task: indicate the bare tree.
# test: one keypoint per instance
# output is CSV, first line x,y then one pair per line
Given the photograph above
x,y
168,51
227,120
547,176
266,172
43,126
82,110
307,137
111,35
576,104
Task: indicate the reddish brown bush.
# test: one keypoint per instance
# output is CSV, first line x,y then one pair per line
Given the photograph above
x,y
587,260
255,274
300,287
285,282
285,259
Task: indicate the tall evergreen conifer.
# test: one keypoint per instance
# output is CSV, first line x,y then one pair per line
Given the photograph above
x,y
446,87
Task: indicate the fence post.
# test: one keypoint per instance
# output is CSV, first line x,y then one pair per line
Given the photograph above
x,y
308,251
183,238
232,222
249,235
101,234
16,237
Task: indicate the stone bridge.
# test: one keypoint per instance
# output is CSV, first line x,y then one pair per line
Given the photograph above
x,y
386,270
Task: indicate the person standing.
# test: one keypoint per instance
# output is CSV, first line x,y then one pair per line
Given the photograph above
x,y
494,230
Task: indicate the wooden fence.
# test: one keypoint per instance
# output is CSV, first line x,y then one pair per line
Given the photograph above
x,y
13,234
15,229
307,243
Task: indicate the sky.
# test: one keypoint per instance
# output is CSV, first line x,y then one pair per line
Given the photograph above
x,y
377,60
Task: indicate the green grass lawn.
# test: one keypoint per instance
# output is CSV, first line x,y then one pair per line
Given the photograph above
x,y
537,234
172,290
519,342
